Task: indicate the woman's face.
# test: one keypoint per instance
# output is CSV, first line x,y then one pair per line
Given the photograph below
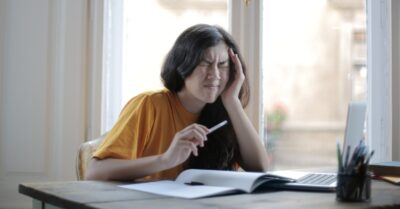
x,y
210,76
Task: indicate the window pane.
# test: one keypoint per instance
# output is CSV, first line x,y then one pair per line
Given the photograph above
x,y
149,30
314,63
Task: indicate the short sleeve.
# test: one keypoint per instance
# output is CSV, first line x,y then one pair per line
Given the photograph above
x,y
127,139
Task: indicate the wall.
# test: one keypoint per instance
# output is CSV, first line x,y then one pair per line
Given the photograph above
x,y
43,88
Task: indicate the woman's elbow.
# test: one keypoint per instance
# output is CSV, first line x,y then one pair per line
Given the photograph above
x,y
91,176
260,166
94,172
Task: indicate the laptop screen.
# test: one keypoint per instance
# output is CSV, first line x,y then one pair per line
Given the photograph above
x,y
355,125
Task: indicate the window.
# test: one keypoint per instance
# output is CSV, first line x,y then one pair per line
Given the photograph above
x,y
147,30
314,61
347,18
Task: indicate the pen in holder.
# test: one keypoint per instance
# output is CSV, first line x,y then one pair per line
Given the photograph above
x,y
353,187
353,179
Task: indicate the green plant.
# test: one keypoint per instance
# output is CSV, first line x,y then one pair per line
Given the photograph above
x,y
275,119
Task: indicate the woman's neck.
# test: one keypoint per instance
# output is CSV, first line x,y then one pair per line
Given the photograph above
x,y
190,103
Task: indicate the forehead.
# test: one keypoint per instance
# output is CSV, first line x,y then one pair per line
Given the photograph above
x,y
218,51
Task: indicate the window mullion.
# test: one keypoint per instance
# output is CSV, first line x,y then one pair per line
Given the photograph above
x,y
379,56
245,23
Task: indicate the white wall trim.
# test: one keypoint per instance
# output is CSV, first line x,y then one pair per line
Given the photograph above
x,y
95,79
379,58
245,23
69,84
57,35
2,25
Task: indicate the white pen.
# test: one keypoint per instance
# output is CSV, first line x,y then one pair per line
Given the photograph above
x,y
219,125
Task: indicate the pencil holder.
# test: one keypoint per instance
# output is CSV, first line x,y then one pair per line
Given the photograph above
x,y
353,187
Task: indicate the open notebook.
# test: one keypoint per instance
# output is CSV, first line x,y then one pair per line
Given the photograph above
x,y
197,183
327,181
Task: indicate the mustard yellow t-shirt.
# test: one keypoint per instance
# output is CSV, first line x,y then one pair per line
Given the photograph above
x,y
146,127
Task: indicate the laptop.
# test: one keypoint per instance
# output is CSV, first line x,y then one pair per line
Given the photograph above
x,y
316,181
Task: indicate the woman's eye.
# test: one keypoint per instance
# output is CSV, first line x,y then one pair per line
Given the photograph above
x,y
204,64
224,66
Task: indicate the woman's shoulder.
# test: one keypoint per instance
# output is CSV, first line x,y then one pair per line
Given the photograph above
x,y
157,97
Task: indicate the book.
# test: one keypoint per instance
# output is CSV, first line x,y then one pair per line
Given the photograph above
x,y
198,183
391,168
390,179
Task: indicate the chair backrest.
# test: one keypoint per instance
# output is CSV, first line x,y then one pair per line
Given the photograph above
x,y
85,153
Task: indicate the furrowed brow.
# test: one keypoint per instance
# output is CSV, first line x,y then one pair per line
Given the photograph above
x,y
206,61
223,62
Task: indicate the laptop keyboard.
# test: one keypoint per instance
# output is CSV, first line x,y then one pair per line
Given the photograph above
x,y
317,179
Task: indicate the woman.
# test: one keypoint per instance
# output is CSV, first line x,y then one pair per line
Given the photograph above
x,y
159,134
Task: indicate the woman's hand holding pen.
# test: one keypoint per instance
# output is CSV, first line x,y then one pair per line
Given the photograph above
x,y
184,143
231,93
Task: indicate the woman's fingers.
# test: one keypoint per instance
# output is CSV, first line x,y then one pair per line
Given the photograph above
x,y
232,55
196,133
185,142
193,136
190,146
238,64
233,90
197,127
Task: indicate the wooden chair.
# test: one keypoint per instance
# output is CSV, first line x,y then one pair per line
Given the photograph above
x,y
85,153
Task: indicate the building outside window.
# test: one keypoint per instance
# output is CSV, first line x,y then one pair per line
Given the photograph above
x,y
314,61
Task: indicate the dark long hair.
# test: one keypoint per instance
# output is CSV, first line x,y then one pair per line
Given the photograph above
x,y
221,150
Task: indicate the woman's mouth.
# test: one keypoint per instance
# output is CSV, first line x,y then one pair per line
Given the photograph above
x,y
211,85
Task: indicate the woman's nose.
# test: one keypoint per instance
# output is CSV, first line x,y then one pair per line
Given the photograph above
x,y
214,72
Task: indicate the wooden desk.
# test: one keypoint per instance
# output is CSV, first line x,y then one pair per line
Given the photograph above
x,y
96,194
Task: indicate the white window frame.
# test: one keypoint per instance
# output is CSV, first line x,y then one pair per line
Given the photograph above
x,y
113,65
383,78
104,61
396,79
245,23
105,46
96,66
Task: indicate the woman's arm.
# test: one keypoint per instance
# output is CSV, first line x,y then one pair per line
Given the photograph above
x,y
253,153
121,169
184,143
